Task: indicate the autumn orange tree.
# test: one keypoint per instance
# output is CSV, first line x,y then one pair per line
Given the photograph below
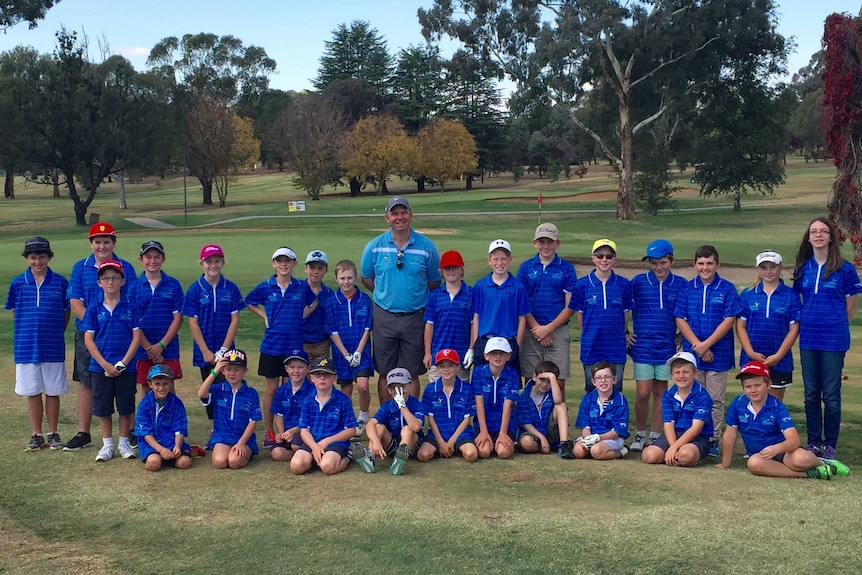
x,y
376,148
448,151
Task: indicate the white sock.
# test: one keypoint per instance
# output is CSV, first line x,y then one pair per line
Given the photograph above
x,y
363,415
108,441
124,440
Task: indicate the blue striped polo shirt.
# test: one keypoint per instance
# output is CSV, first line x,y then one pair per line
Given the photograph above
x,y
84,281
767,320
314,325
40,317
401,290
531,414
449,411
652,317
759,429
494,392
326,420
156,308
500,306
547,286
704,308
390,415
451,318
602,418
213,307
603,305
233,411
113,331
288,404
284,310
697,406
349,319
164,423
824,325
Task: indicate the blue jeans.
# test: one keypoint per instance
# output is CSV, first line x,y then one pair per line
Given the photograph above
x,y
588,377
821,373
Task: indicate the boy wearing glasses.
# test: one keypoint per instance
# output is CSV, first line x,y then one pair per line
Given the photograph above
x,y
603,301
603,417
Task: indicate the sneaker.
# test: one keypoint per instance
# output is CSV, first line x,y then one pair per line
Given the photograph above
x,y
838,468
623,451
640,441
360,426
80,441
361,456
653,437
269,441
827,452
54,441
566,450
821,472
198,451
714,450
815,449
402,454
106,453
126,451
133,440
37,443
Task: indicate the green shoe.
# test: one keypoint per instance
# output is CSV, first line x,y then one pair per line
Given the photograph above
x,y
361,456
402,453
838,468
821,472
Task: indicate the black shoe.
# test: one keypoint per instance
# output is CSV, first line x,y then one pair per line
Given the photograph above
x,y
133,440
80,441
566,450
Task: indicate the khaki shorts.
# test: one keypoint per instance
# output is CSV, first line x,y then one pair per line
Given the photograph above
x,y
532,352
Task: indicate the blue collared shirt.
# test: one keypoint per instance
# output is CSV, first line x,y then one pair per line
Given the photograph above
x,y
349,319
696,406
84,282
233,412
213,307
288,404
113,331
762,428
40,317
500,306
604,306
704,308
494,392
531,414
164,423
451,318
602,418
652,317
284,309
326,420
314,326
767,319
156,309
824,325
547,286
448,411
390,415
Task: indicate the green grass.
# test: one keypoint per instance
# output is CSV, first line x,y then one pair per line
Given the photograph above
x,y
61,513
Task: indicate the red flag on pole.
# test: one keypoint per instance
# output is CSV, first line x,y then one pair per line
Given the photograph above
x,y
540,198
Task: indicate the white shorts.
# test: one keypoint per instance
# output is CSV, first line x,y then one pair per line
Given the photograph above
x,y
613,444
37,378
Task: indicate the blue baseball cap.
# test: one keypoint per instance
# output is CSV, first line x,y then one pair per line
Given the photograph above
x,y
296,354
658,249
160,370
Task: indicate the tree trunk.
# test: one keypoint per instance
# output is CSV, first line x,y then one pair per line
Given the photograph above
x,y
9,185
355,187
55,181
207,186
737,199
469,181
626,193
383,189
80,206
122,194
420,184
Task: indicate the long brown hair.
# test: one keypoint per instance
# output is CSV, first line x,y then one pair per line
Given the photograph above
x,y
834,261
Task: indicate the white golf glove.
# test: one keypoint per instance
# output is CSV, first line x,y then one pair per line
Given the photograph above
x,y
348,357
357,359
120,366
591,440
468,359
219,354
400,399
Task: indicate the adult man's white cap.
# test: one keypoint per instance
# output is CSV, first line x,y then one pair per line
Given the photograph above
x,y
685,356
768,256
500,245
498,344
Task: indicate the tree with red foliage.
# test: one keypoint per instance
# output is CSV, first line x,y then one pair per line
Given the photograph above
x,y
842,122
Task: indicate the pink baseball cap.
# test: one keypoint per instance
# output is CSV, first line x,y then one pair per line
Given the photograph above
x,y
211,250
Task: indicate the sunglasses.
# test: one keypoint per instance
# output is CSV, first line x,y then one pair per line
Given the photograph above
x,y
399,263
604,256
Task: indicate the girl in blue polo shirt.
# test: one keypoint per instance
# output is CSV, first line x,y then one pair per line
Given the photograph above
x,y
828,285
768,324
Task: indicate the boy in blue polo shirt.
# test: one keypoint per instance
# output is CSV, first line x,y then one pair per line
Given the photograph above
x,y
282,302
237,411
603,302
500,305
449,405
706,309
653,338
112,336
161,423
496,386
326,424
541,396
84,291
449,316
686,408
40,314
348,321
603,417
212,304
550,281
287,405
771,440
315,338
396,428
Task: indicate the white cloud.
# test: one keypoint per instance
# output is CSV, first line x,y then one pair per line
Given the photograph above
x,y
134,52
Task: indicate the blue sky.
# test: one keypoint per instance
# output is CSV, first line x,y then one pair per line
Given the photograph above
x,y
293,32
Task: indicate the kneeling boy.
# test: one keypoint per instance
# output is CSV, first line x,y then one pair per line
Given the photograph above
x,y
161,424
543,395
686,410
326,424
397,425
770,436
287,405
603,417
450,406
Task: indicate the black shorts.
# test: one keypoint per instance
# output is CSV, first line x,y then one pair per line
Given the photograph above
x,y
81,366
495,434
701,442
108,390
295,443
781,379
365,372
433,441
170,462
342,451
271,365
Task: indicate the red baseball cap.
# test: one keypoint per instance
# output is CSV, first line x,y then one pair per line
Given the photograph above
x,y
451,259
447,355
752,369
111,265
102,229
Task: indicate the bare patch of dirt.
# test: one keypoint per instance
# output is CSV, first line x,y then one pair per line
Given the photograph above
x,y
527,476
24,552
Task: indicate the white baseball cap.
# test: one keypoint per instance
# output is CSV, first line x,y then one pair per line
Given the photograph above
x,y
683,355
498,344
768,256
500,245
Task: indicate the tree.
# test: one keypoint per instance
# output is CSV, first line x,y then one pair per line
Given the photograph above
x,y
842,122
357,51
418,85
31,11
377,147
569,48
448,151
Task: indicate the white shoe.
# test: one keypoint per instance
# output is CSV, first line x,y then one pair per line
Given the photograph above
x,y
106,453
653,437
126,451
639,443
360,426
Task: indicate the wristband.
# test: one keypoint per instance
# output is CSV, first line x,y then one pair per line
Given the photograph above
x,y
214,373
161,343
